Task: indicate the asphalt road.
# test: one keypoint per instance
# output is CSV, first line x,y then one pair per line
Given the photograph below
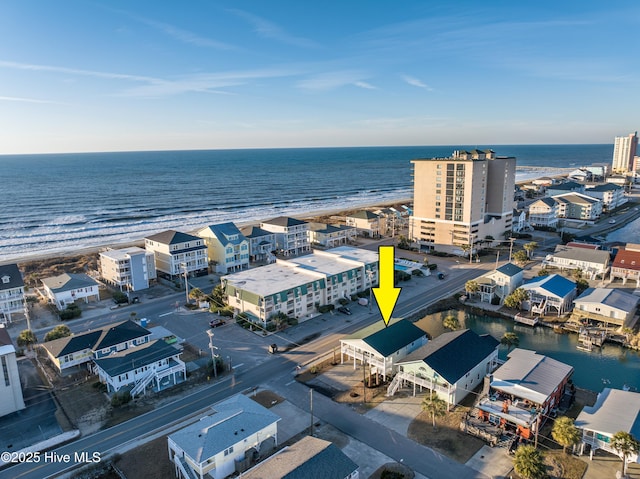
x,y
277,367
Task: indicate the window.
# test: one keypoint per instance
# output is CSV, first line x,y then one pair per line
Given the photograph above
x,y
5,371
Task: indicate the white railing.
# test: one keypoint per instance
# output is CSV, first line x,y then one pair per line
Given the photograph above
x,y
142,383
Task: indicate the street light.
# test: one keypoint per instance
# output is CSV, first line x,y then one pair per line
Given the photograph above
x,y
213,354
186,283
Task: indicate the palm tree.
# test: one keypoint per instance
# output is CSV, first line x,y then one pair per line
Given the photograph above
x,y
521,257
530,247
26,338
515,299
196,293
625,444
435,406
451,322
471,287
60,331
565,432
528,462
510,339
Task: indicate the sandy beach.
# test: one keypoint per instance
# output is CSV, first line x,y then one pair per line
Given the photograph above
x,y
81,260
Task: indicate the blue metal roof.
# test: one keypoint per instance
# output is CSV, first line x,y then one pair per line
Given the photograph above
x,y
554,284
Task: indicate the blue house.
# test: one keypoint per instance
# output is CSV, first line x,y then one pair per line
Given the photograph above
x,y
550,292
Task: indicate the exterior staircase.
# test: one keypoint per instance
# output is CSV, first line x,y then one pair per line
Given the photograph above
x,y
143,382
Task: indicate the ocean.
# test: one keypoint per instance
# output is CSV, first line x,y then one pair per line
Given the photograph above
x,y
59,203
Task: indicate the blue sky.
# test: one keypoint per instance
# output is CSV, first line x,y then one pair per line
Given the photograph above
x,y
148,75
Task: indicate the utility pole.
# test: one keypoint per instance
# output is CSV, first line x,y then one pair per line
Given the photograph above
x,y
213,354
370,276
311,410
186,283
364,380
511,240
470,248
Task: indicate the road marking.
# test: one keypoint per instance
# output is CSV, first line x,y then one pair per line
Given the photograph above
x,y
290,383
165,314
238,365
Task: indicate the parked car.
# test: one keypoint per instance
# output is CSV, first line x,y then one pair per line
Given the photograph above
x,y
344,310
440,275
214,323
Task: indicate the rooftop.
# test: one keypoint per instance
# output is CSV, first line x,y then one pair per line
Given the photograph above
x,y
6,345
68,281
510,269
605,187
136,357
172,237
627,259
615,410
226,233
233,420
576,198
123,253
284,221
554,284
364,215
11,275
467,347
309,458
530,375
254,232
581,254
613,298
386,340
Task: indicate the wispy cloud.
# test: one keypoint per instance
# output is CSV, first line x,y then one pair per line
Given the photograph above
x,y
75,71
268,29
333,80
26,100
415,82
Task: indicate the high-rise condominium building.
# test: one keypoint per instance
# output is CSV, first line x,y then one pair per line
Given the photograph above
x,y
461,201
624,150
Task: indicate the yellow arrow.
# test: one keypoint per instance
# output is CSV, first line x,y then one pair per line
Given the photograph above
x,y
386,294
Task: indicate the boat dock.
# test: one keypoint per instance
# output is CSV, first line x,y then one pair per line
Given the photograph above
x,y
518,318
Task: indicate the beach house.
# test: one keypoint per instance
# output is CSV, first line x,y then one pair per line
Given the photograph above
x,y
11,292
379,347
331,236
612,196
565,187
177,253
543,212
626,264
262,243
431,366
522,393
227,247
578,206
11,399
68,288
592,262
615,410
606,307
307,458
129,269
292,235
500,282
230,440
366,223
549,292
300,287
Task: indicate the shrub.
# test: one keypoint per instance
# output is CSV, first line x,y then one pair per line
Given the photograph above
x,y
432,266
343,301
326,308
118,399
71,312
401,276
120,298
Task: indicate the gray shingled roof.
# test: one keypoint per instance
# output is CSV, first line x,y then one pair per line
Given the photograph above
x,y
254,232
454,354
604,187
309,458
5,340
13,273
284,221
72,344
136,357
235,419
581,254
172,237
224,231
68,281
364,215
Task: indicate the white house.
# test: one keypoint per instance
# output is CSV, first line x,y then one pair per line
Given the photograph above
x,y
292,235
500,282
331,236
367,223
611,195
310,457
11,292
297,287
592,262
614,411
129,269
227,247
608,306
173,251
543,212
431,366
380,347
547,292
262,243
239,431
519,221
11,399
67,288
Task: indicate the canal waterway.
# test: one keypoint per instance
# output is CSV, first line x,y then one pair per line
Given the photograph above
x,y
612,366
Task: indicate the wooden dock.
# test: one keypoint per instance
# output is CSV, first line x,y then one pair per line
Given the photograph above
x,y
524,320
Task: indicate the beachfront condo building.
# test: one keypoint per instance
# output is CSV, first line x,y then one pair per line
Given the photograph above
x,y
299,287
129,269
577,206
292,235
624,150
227,247
462,201
11,399
175,252
11,292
